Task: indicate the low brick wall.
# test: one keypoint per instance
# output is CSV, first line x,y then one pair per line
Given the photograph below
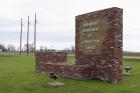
x,y
50,57
78,72
102,70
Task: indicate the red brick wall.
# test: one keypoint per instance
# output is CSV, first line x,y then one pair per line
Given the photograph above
x,y
104,62
51,57
107,65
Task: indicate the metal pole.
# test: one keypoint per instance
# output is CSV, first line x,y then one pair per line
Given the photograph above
x,y
35,34
21,37
28,36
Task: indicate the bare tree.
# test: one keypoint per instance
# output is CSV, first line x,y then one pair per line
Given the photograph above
x,y
41,48
2,48
11,48
29,47
72,49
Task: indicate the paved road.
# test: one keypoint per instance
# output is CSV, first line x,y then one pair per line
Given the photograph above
x,y
133,57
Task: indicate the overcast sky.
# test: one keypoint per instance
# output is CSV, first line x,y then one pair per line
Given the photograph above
x,y
56,27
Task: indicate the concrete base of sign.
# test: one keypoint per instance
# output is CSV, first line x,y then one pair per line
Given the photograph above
x,y
126,74
56,84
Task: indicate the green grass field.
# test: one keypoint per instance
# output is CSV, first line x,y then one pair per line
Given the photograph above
x,y
18,75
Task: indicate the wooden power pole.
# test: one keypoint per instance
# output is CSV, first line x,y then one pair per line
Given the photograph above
x,y
35,34
28,36
21,37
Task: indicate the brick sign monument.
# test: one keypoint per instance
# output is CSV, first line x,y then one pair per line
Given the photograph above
x,y
98,48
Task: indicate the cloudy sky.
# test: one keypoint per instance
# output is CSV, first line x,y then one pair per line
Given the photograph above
x,y
56,20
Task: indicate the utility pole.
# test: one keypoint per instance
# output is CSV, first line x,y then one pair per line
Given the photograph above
x,y
21,37
35,34
28,36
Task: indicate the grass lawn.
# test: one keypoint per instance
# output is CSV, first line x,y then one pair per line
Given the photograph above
x,y
17,75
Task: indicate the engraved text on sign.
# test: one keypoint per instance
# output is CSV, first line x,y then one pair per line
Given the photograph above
x,y
92,35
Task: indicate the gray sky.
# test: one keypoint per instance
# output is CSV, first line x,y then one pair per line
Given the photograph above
x,y
56,27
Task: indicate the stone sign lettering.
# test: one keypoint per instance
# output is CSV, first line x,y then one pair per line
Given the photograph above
x,y
92,35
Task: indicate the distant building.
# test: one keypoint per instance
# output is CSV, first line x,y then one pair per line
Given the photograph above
x,y
30,47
